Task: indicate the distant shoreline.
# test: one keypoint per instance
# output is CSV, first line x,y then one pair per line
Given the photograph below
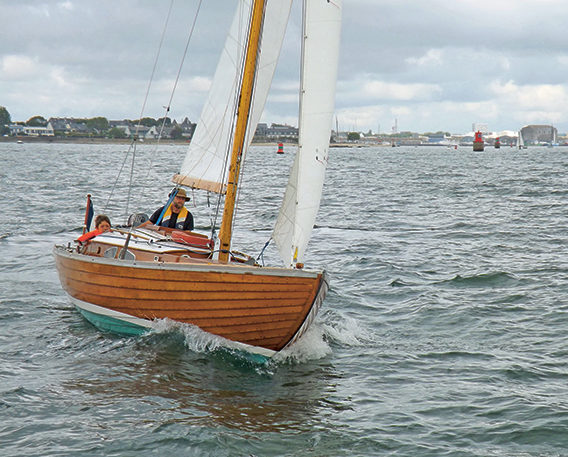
x,y
169,141
63,140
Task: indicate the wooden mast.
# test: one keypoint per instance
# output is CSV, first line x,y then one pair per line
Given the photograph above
x,y
245,100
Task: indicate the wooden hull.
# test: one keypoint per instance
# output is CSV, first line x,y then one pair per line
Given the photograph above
x,y
478,146
265,309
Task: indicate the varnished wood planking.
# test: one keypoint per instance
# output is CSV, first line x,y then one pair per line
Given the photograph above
x,y
161,271
239,308
189,285
259,309
231,298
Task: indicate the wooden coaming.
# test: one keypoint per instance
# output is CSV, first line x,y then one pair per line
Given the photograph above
x,y
257,306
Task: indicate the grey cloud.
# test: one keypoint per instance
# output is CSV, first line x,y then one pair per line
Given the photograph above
x,y
95,58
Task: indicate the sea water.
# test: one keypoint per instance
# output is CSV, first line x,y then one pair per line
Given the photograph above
x,y
445,331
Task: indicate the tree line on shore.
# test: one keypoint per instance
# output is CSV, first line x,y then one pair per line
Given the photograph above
x,y
95,126
100,126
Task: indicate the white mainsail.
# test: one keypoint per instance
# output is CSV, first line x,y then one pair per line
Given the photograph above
x,y
204,164
320,55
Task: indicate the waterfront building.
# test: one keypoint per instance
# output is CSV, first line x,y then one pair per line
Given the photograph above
x,y
539,134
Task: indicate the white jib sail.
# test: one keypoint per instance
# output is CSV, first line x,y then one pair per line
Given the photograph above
x,y
320,54
203,166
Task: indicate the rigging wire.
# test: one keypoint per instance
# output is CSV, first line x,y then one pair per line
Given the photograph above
x,y
168,106
130,179
116,180
144,105
154,67
184,53
132,146
138,126
261,255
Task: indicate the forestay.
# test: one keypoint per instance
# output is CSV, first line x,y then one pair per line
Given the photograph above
x,y
322,27
204,164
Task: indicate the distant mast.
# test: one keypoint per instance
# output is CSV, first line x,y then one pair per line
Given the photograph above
x,y
478,144
394,132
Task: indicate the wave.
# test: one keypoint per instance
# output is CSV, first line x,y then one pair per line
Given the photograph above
x,y
330,329
311,346
495,279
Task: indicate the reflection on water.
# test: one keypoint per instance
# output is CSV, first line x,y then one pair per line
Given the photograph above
x,y
208,389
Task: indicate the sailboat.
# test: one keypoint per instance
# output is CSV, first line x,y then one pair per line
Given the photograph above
x,y
126,279
521,142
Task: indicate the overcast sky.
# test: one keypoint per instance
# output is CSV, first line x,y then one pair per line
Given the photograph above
x,y
431,64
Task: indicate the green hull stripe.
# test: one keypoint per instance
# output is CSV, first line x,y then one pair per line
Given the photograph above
x,y
119,327
111,324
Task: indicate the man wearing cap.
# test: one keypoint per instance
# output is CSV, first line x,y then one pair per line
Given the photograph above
x,y
176,215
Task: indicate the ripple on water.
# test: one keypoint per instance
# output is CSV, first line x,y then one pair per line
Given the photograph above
x,y
443,332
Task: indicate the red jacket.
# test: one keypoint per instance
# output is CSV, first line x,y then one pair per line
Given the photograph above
x,y
89,235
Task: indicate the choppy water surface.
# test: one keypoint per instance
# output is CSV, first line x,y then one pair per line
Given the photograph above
x,y
444,333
